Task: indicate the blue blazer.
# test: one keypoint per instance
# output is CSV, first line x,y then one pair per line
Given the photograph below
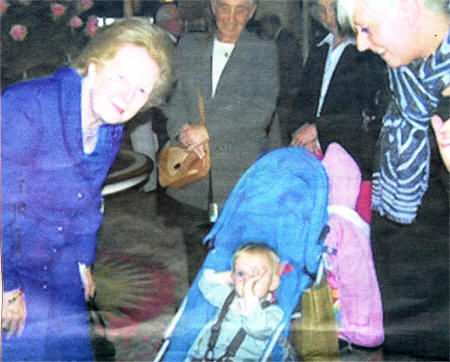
x,y
51,198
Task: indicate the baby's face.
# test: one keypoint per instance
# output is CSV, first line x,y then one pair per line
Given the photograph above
x,y
255,269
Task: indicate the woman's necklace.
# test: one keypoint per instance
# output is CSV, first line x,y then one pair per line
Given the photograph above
x,y
90,137
89,123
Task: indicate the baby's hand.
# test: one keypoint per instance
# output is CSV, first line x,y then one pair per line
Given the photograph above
x,y
256,287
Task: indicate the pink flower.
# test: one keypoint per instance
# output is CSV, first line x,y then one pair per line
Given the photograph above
x,y
57,9
3,6
85,4
18,32
76,22
92,26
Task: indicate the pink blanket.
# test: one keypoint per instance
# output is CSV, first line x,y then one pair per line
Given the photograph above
x,y
350,269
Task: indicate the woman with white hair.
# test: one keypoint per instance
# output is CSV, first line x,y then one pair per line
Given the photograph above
x,y
413,37
236,73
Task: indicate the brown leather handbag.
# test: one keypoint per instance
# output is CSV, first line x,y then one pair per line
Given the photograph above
x,y
178,166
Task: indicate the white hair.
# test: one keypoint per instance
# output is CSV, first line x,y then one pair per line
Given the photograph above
x,y
214,3
164,13
345,8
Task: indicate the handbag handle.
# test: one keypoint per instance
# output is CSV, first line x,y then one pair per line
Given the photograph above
x,y
201,109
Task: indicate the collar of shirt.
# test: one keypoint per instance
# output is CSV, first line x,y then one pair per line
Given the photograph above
x,y
329,39
221,54
334,54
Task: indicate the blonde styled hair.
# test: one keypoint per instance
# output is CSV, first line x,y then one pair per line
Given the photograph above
x,y
345,8
254,248
138,31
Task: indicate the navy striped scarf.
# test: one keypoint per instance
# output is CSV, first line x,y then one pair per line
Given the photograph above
x,y
402,165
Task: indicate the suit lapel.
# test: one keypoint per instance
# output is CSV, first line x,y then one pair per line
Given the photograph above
x,y
204,65
234,63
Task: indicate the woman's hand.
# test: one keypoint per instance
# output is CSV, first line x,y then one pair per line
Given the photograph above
x,y
306,137
14,312
442,132
87,280
194,136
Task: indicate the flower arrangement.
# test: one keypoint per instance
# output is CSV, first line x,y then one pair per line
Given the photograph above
x,y
37,32
56,10
18,32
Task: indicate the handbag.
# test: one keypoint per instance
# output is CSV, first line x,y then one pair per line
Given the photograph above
x,y
315,335
103,348
178,166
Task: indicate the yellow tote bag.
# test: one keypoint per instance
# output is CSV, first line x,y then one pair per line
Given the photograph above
x,y
314,335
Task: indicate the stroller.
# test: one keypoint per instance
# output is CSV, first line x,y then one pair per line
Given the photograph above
x,y
282,201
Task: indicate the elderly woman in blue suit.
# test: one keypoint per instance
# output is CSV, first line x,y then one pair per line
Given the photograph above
x,y
60,135
236,74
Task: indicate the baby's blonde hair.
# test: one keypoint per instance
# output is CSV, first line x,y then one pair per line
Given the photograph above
x,y
258,248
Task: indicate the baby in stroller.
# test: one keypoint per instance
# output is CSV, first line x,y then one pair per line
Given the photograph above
x,y
281,200
248,314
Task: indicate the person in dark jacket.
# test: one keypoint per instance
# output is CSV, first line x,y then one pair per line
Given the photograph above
x,y
341,94
290,65
410,195
60,135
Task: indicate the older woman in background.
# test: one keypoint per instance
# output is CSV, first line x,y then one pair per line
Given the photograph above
x,y
236,74
413,38
341,93
60,136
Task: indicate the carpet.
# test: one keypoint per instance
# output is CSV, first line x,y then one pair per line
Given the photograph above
x,y
136,296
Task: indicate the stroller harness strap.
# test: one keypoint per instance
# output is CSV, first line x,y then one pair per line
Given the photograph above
x,y
237,340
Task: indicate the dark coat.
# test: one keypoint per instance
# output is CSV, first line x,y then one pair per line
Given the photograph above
x,y
51,198
359,84
236,117
290,63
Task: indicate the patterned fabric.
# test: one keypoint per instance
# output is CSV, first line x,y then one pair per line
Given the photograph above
x,y
403,159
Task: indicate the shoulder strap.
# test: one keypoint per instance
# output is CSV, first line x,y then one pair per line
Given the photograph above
x,y
234,345
201,109
237,340
215,329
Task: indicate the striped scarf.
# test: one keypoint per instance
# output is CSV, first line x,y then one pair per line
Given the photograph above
x,y
403,160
